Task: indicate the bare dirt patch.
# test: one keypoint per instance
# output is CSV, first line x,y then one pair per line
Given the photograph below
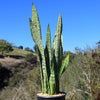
x,y
6,61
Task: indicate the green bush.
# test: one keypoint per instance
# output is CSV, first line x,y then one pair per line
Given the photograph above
x,y
23,87
5,46
20,47
72,80
16,79
31,58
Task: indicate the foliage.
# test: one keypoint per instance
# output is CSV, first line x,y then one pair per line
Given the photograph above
x,y
35,48
16,79
20,47
25,82
81,80
22,88
72,79
31,58
5,46
28,49
51,66
18,52
92,71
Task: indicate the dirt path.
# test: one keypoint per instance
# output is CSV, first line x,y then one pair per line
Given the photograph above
x,y
6,60
9,61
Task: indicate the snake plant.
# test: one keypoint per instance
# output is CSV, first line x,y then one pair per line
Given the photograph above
x,y
51,64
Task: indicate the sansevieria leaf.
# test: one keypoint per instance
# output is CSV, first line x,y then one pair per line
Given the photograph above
x,y
52,81
36,34
64,65
61,50
57,39
35,20
57,50
48,44
48,51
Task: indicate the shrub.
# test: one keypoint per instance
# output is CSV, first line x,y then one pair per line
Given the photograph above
x,y
20,47
72,79
23,87
5,46
27,49
16,79
31,58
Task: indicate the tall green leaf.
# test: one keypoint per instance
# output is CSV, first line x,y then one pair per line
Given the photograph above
x,y
41,71
48,43
64,66
56,47
48,51
35,20
57,40
52,81
36,34
61,50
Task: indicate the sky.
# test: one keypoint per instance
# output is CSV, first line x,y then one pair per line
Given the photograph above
x,y
81,21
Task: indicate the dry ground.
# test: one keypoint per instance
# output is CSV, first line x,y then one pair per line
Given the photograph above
x,y
8,60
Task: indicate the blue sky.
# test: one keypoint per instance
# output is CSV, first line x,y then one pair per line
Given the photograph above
x,y
81,21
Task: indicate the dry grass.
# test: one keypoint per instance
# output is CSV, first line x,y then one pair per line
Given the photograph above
x,y
25,89
18,52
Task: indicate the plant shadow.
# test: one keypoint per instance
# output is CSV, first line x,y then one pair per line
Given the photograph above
x,y
15,56
5,74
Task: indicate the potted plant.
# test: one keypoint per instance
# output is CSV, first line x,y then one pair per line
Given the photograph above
x,y
51,64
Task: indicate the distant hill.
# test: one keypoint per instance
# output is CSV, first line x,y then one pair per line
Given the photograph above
x,y
17,53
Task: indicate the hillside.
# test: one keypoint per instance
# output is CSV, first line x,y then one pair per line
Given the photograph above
x,y
17,52
20,77
16,70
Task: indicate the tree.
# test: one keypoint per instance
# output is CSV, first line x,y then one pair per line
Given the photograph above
x,y
98,47
28,49
31,58
35,48
20,47
31,50
5,46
